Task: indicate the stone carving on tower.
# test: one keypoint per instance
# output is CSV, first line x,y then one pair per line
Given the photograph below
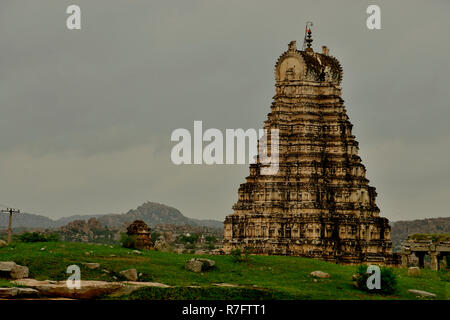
x,y
319,204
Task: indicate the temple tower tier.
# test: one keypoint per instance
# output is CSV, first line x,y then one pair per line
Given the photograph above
x,y
319,203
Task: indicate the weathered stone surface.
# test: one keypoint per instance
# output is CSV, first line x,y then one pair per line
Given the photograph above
x,y
130,274
194,265
318,202
422,293
320,274
92,265
413,271
437,246
226,285
207,262
131,286
147,284
199,264
88,290
142,233
217,252
10,269
8,293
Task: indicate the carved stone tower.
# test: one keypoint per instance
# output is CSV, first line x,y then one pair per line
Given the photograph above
x,y
319,204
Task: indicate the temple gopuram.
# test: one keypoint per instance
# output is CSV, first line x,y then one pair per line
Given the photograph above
x,y
319,204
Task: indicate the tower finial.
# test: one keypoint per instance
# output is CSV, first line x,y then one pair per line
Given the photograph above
x,y
307,40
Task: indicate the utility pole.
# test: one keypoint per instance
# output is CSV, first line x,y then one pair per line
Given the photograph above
x,y
10,211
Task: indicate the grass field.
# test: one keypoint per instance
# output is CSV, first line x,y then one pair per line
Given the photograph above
x,y
261,277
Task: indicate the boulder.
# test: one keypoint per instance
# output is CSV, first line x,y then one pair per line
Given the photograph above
x,y
208,262
9,269
199,264
8,292
320,274
131,286
88,289
226,285
130,274
413,271
194,265
422,293
92,265
217,252
18,292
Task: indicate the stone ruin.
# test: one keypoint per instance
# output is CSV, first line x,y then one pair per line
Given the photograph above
x,y
436,246
142,233
319,204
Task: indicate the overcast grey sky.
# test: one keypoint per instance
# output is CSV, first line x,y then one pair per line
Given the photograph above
x,y
86,116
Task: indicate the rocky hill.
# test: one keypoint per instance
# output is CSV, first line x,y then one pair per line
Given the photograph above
x,y
151,213
25,220
154,214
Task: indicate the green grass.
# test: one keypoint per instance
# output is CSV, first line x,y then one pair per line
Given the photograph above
x,y
262,277
430,236
4,283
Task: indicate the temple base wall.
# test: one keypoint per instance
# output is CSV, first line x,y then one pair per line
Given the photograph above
x,y
327,241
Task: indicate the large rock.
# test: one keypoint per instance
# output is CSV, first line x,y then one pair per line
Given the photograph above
x,y
8,293
199,264
413,271
92,265
320,274
207,262
131,286
422,293
130,274
88,289
9,269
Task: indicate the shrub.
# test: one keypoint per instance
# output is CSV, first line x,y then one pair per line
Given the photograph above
x,y
128,241
210,239
38,237
238,256
388,283
192,239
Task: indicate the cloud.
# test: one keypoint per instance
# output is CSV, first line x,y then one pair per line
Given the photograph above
x,y
86,116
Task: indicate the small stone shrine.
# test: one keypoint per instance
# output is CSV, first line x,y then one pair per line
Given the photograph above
x,y
142,232
436,246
